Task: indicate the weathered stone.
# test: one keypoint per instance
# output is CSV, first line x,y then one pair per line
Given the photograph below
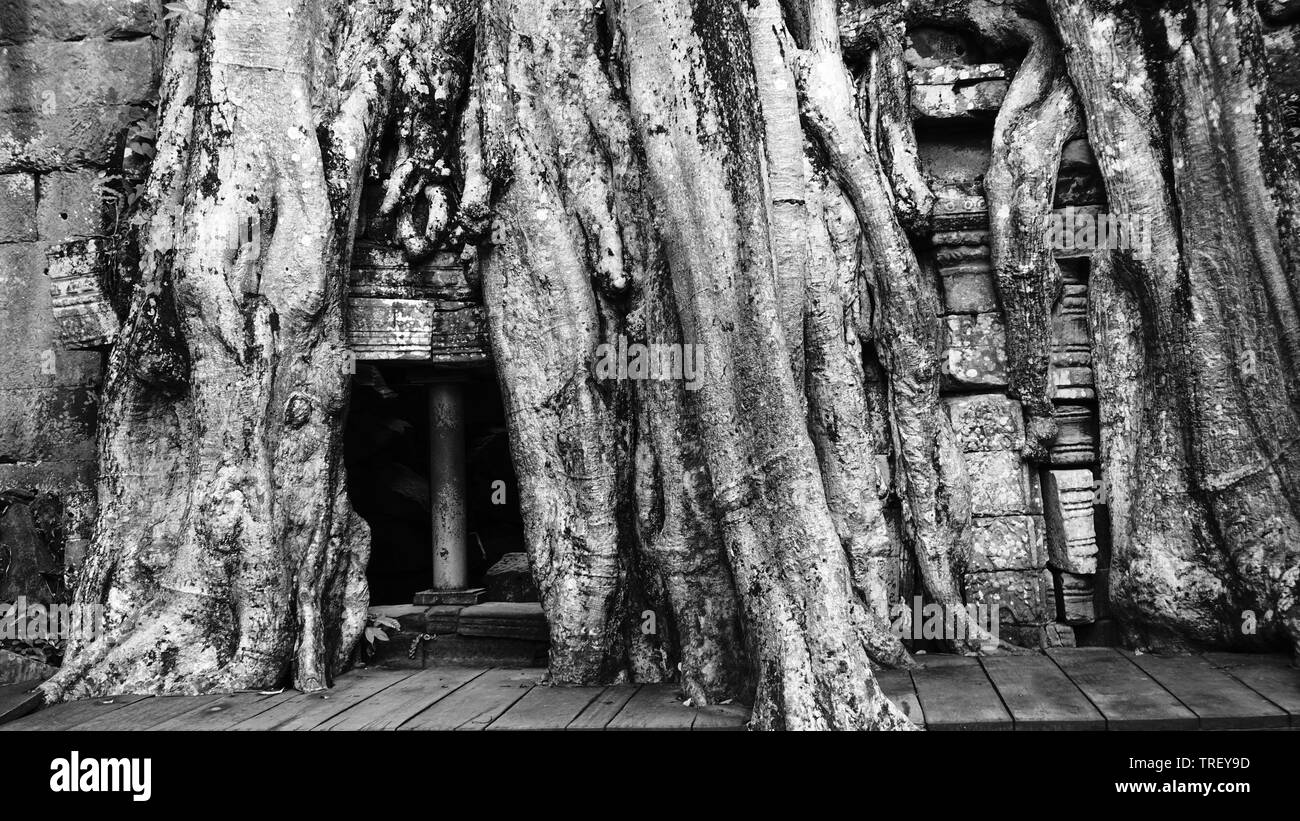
x,y
82,314
17,207
1007,543
979,99
1002,484
1071,533
968,289
942,49
38,424
947,75
1071,340
1076,438
986,422
73,20
949,255
1024,596
1058,635
28,349
515,620
70,137
405,329
976,351
50,77
511,579
460,598
442,619
1077,594
383,272
71,205
1072,384
960,158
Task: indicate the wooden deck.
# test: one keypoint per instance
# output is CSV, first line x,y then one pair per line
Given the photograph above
x,y
1079,689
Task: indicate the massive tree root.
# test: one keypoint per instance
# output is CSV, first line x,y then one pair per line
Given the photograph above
x,y
226,552
1039,114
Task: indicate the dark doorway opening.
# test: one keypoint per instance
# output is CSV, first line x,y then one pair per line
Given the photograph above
x,y
387,455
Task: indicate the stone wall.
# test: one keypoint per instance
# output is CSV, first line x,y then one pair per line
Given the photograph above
x,y
74,75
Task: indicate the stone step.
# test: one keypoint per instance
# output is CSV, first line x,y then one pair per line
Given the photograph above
x,y
456,649
505,634
519,620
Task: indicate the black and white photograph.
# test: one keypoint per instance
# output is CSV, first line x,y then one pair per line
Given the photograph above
x,y
376,368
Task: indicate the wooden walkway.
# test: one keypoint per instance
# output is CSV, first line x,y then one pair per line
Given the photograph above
x,y
1078,689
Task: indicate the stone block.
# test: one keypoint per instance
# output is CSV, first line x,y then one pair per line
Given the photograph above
x,y
70,137
22,20
28,346
442,619
1072,384
1058,635
1071,532
507,620
974,99
38,424
1002,484
71,206
976,352
1023,596
403,329
1076,437
968,289
1007,543
511,580
56,78
17,207
1077,593
986,422
82,314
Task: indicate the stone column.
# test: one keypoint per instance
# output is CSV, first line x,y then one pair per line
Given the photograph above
x,y
447,480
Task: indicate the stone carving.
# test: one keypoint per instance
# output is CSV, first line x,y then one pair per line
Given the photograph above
x,y
1071,533
82,314
976,352
986,422
1077,592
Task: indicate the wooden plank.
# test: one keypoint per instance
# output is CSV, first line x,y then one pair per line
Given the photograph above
x,y
1220,701
1127,698
144,714
306,710
898,688
387,709
722,717
547,708
63,716
603,708
955,694
654,707
225,712
1270,675
478,703
18,700
1039,696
